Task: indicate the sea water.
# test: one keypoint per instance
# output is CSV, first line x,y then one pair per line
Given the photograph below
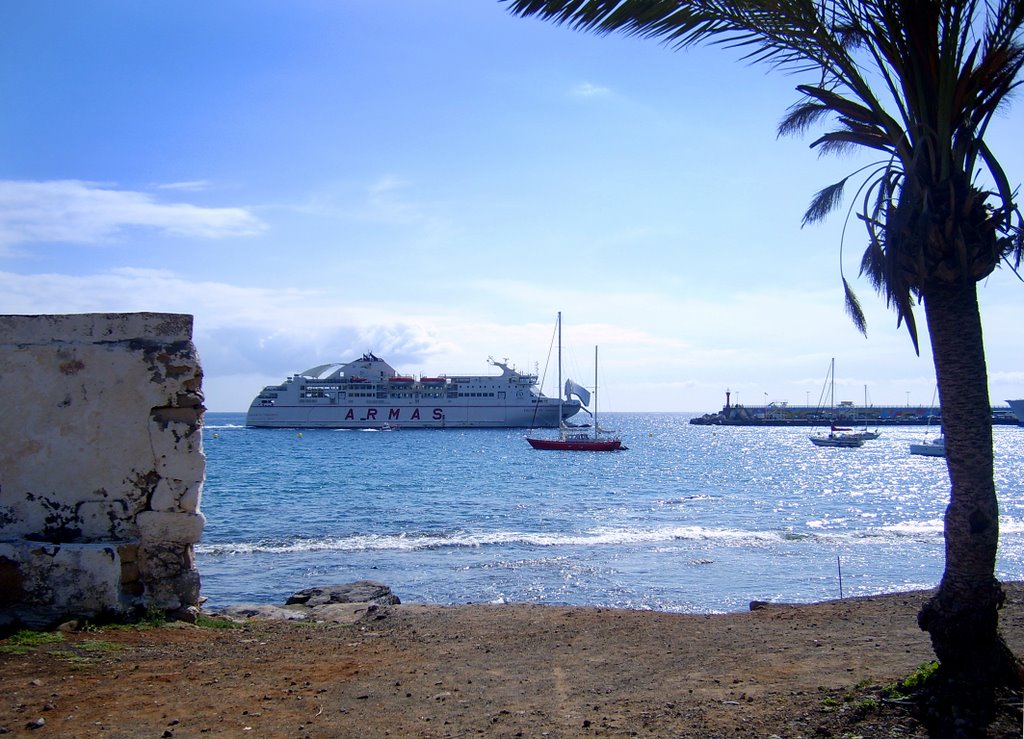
x,y
688,519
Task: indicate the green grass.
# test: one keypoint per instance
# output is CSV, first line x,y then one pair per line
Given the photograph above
x,y
207,622
25,641
867,705
906,687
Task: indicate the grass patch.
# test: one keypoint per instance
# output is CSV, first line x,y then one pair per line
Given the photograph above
x,y
154,617
86,653
74,659
208,622
866,705
906,687
25,641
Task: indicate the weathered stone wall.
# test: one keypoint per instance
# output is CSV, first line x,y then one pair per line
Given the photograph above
x,y
101,466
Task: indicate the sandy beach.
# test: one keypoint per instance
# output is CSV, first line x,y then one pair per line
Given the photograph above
x,y
503,670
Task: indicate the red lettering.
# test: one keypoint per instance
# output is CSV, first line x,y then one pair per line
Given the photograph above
x,y
438,414
371,414
350,416
393,414
415,415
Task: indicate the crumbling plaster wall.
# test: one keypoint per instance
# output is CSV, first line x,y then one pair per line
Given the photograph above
x,y
101,466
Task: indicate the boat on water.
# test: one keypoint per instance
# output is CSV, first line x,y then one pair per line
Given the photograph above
x,y
1017,408
844,438
933,448
838,437
369,393
577,439
865,434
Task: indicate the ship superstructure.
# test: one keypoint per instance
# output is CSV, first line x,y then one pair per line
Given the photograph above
x,y
1017,409
369,393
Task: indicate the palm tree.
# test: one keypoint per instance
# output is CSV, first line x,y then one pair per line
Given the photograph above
x,y
917,82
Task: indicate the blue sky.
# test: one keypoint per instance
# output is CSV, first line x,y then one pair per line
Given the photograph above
x,y
433,182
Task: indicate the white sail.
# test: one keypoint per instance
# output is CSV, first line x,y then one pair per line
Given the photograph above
x,y
571,388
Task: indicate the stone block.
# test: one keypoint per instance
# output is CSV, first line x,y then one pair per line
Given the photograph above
x,y
56,581
178,449
170,526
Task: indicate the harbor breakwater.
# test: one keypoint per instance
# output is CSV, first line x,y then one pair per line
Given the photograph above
x,y
782,414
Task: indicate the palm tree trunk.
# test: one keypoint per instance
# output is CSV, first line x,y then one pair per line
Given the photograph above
x,y
962,618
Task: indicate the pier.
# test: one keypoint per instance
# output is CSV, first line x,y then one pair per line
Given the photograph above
x,y
844,414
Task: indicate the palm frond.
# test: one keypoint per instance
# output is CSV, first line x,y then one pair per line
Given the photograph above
x,y
840,142
853,309
782,34
824,202
802,116
905,312
842,106
872,265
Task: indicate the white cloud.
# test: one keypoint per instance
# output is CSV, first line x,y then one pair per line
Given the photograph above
x,y
187,186
682,356
588,90
75,211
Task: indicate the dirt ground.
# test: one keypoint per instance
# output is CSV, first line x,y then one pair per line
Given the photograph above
x,y
505,671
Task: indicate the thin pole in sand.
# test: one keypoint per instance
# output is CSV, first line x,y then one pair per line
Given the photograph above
x,y
839,567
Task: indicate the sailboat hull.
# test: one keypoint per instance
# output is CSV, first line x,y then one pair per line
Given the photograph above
x,y
934,448
842,441
577,445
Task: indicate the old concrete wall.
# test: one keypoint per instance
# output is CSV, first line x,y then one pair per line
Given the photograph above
x,y
101,466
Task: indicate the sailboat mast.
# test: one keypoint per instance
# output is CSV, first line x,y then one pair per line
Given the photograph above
x,y
832,389
560,391
596,429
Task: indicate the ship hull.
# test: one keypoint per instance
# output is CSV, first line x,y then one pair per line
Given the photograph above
x,y
567,445
367,393
403,416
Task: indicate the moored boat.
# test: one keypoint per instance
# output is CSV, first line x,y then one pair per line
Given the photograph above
x,y
934,448
576,439
837,437
369,393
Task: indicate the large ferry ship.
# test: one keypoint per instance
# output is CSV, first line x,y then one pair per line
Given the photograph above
x,y
1017,409
369,393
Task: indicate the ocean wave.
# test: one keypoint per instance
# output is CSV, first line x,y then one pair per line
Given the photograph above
x,y
916,528
668,538
422,541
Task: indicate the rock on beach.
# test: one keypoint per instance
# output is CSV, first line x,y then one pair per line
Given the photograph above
x,y
340,603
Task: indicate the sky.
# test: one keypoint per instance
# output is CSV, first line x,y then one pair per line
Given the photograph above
x,y
434,182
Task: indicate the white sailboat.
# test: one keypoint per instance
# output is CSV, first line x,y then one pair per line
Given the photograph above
x,y
865,434
836,437
576,439
933,447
